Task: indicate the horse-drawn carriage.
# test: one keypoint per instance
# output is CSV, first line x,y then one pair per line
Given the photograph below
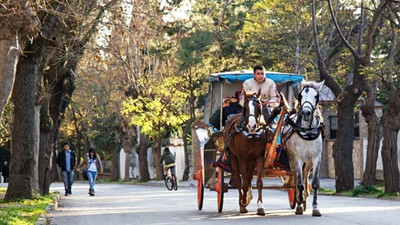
x,y
212,171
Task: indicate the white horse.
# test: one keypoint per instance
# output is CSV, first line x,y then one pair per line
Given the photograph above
x,y
302,139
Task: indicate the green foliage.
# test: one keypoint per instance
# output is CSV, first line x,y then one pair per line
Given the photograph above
x,y
192,48
23,212
159,108
5,125
362,191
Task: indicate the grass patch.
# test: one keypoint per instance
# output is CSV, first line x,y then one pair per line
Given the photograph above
x,y
371,191
326,191
360,191
23,212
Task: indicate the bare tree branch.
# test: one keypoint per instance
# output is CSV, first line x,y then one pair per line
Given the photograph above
x,y
221,18
346,43
371,33
321,64
331,32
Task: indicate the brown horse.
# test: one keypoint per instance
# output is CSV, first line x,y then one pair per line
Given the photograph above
x,y
246,146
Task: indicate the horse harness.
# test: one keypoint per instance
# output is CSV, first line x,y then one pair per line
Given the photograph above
x,y
309,133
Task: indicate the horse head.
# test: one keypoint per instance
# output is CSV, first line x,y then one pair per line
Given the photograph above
x,y
308,99
252,111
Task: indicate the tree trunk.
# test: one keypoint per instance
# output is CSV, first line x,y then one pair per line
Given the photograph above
x,y
343,148
156,149
143,163
127,145
391,124
186,150
79,137
195,150
374,140
45,150
18,23
115,175
374,134
25,131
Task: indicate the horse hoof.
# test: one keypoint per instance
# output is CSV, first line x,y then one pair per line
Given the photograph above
x,y
261,212
316,212
299,210
243,209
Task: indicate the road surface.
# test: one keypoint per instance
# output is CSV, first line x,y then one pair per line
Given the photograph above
x,y
139,204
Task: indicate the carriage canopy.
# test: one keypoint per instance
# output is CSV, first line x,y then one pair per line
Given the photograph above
x,y
227,83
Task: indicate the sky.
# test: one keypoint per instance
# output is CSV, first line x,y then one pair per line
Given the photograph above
x,y
178,13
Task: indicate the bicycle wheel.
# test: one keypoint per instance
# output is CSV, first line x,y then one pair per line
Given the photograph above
x,y
175,182
168,183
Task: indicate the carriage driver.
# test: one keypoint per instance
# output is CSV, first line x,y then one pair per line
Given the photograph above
x,y
269,93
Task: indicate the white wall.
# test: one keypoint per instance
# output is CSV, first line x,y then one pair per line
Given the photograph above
x,y
177,150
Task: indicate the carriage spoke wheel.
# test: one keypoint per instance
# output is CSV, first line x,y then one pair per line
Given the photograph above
x,y
200,186
292,198
219,188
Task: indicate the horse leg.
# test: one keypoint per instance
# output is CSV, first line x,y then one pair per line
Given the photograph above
x,y
299,187
260,167
244,186
250,171
315,186
237,178
306,192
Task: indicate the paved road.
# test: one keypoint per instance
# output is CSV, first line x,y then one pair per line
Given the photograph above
x,y
135,204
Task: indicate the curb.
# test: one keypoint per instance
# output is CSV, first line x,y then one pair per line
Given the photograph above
x,y
43,218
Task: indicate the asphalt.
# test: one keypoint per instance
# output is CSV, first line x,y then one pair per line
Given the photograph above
x,y
325,183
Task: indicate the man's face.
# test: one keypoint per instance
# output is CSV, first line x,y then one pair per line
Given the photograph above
x,y
66,147
259,76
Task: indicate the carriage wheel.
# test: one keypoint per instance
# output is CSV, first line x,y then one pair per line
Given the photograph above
x,y
200,186
292,198
220,189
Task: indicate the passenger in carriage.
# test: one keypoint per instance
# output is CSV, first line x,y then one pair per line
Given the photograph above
x,y
233,108
269,93
215,118
230,107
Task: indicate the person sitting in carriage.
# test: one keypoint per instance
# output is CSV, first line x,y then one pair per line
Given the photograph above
x,y
269,93
215,118
269,98
230,107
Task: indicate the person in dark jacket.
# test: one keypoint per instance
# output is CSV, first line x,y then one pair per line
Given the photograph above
x,y
66,160
215,118
5,172
169,161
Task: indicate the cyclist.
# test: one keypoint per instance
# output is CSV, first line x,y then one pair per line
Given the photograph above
x,y
169,160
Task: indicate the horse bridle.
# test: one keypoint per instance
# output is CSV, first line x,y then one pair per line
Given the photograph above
x,y
309,104
253,98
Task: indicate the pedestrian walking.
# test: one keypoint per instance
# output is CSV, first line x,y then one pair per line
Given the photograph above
x,y
5,172
93,165
66,160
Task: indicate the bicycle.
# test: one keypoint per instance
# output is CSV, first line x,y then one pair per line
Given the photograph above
x,y
170,179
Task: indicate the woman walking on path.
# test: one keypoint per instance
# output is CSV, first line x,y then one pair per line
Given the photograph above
x,y
93,165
